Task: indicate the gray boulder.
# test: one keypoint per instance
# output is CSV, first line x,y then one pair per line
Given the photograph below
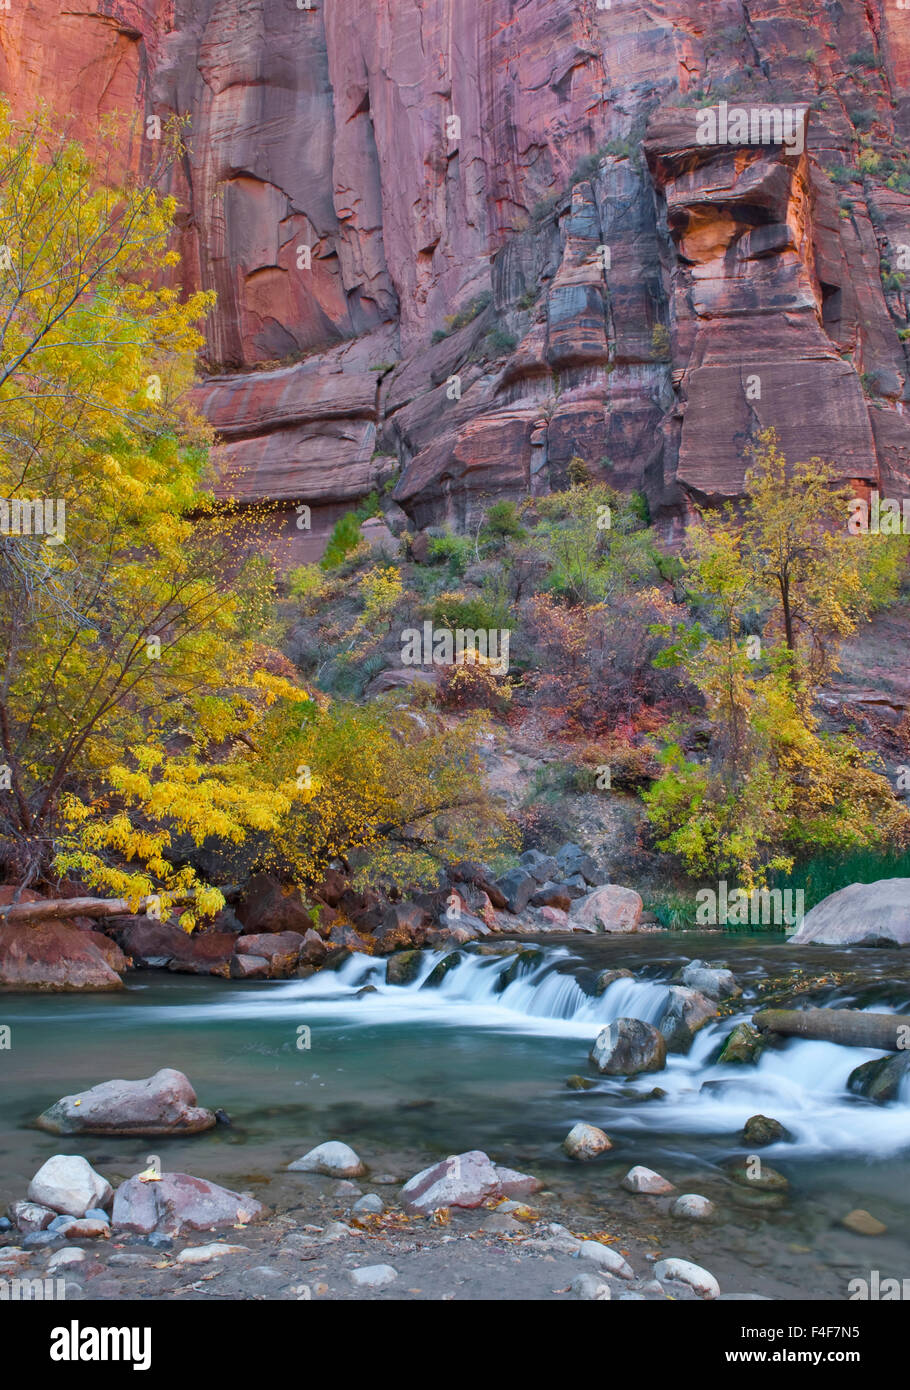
x,y
627,1047
687,1012
863,914
880,1080
161,1104
177,1202
69,1185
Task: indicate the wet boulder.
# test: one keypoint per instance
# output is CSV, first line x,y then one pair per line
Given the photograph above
x,y
249,968
161,1104
177,1202
687,1012
69,1185
712,981
584,1142
627,1047
761,1130
403,967
743,1045
608,977
881,1079
403,925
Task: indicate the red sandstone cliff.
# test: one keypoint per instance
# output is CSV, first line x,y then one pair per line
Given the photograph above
x,y
330,128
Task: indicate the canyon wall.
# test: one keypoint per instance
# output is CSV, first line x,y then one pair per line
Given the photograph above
x,y
457,245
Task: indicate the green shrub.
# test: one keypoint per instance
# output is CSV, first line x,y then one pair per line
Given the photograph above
x,y
498,342
503,522
306,581
457,551
345,537
457,609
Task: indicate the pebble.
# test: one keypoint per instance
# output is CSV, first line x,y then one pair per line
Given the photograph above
x,y
333,1158
346,1188
123,1259
584,1142
373,1276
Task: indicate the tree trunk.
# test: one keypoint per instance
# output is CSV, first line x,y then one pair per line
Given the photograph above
x,y
889,1032
88,907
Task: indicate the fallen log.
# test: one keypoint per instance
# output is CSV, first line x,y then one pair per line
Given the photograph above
x,y
57,908
888,1032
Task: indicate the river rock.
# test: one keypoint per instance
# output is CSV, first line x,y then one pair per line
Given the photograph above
x,y
370,1204
591,1289
177,1202
880,1080
30,1217
580,1083
559,895
165,945
761,1130
691,1207
517,888
62,1259
864,1223
373,1276
464,1180
628,1046
204,1254
403,967
575,862
441,969
56,956
280,949
687,1011
716,983
605,1258
403,925
249,968
609,908
757,1175
684,1272
585,1141
743,1045
269,906
541,867
70,1185
647,1182
161,1104
334,1159
74,1228
863,914
608,977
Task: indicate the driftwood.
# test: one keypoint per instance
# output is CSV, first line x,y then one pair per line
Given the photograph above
x,y
57,908
888,1032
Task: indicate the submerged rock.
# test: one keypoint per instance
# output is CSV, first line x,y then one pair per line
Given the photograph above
x,y
607,977
646,1181
70,1185
585,1141
864,1223
440,970
403,967
334,1159
161,1104
691,1207
627,1047
756,1174
580,1083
